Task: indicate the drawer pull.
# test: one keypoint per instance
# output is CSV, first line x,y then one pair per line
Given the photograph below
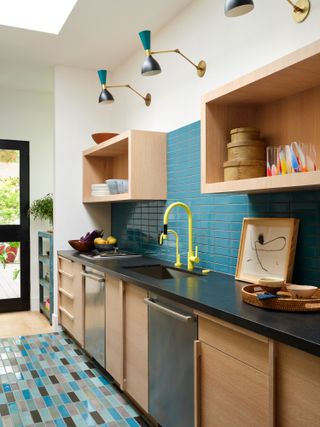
x,y
67,294
64,273
66,312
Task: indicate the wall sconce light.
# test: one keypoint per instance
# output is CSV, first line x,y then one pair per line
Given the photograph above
x,y
151,67
301,8
107,98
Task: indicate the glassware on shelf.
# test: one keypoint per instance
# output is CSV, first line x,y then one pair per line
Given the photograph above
x,y
273,166
293,158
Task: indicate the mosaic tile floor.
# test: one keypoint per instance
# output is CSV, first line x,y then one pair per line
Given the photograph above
x,y
46,380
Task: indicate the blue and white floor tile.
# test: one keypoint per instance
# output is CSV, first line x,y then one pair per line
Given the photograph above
x,y
46,380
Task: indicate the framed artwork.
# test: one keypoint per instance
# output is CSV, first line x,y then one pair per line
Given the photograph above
x,y
267,248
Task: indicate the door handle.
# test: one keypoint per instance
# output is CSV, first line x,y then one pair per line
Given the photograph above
x,y
93,277
167,311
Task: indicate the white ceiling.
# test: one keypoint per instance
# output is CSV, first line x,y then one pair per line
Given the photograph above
x,y
97,34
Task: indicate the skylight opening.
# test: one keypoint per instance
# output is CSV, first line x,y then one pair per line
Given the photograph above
x,y
47,16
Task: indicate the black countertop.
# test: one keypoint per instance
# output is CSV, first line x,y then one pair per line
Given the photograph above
x,y
219,295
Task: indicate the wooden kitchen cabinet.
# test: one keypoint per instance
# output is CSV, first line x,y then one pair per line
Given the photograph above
x,y
127,338
233,376
136,155
136,344
114,328
298,388
71,298
282,99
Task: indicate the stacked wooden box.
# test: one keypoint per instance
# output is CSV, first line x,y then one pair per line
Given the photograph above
x,y
246,155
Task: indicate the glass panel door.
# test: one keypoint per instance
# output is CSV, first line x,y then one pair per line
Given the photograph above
x,y
14,226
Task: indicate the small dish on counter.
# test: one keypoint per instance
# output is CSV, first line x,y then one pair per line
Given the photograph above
x,y
271,284
301,291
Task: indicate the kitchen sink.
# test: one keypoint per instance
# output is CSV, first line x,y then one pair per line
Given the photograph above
x,y
161,272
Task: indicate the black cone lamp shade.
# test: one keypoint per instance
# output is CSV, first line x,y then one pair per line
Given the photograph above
x,y
106,97
234,8
150,67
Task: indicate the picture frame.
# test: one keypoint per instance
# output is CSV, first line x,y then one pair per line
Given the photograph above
x,y
267,249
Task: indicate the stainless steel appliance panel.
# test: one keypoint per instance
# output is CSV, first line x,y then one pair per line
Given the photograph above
x,y
172,331
95,315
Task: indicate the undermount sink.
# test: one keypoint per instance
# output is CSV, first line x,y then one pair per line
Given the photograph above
x,y
161,272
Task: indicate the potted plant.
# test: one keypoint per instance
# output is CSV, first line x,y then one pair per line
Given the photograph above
x,y
43,209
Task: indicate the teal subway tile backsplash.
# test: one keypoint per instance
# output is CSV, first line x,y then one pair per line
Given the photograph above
x,y
217,218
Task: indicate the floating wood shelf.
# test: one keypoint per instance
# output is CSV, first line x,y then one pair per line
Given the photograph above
x,y
139,156
282,99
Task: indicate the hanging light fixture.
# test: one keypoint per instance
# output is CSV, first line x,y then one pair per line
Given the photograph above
x,y
151,67
301,8
106,97
237,7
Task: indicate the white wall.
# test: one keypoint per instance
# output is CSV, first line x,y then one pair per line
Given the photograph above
x,y
77,115
231,47
28,115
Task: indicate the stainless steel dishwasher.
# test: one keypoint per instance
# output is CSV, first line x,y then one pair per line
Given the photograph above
x,y
172,331
94,318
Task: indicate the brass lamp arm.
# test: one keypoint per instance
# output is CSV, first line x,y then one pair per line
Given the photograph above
x,y
174,51
295,7
201,67
147,98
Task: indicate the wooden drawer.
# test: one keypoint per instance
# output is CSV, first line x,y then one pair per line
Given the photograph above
x,y
65,265
66,303
298,388
66,282
232,393
66,320
239,343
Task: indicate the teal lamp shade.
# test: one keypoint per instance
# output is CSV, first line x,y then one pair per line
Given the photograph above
x,y
234,8
106,97
102,76
145,37
150,66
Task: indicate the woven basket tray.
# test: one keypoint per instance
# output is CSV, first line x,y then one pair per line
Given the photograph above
x,y
286,303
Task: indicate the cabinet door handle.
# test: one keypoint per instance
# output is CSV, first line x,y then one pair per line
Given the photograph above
x,y
93,277
167,311
197,379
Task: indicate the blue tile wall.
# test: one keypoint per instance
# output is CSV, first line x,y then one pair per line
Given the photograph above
x,y
217,219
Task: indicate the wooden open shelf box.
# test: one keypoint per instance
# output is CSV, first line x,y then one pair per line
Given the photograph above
x,y
139,156
283,101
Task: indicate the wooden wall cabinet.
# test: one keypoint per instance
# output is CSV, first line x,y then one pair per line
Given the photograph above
x,y
234,376
282,99
127,338
71,298
139,156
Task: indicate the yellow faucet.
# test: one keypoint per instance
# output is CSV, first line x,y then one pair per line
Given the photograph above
x,y
178,258
192,257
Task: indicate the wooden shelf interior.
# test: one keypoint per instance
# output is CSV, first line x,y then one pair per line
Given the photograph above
x,y
108,163
283,103
293,118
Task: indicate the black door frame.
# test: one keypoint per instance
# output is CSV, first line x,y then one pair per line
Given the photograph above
x,y
19,233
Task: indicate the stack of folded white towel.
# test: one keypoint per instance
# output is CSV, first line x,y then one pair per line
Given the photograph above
x,y
100,190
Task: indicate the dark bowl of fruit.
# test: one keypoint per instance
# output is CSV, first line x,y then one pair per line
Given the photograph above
x,y
85,243
80,246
